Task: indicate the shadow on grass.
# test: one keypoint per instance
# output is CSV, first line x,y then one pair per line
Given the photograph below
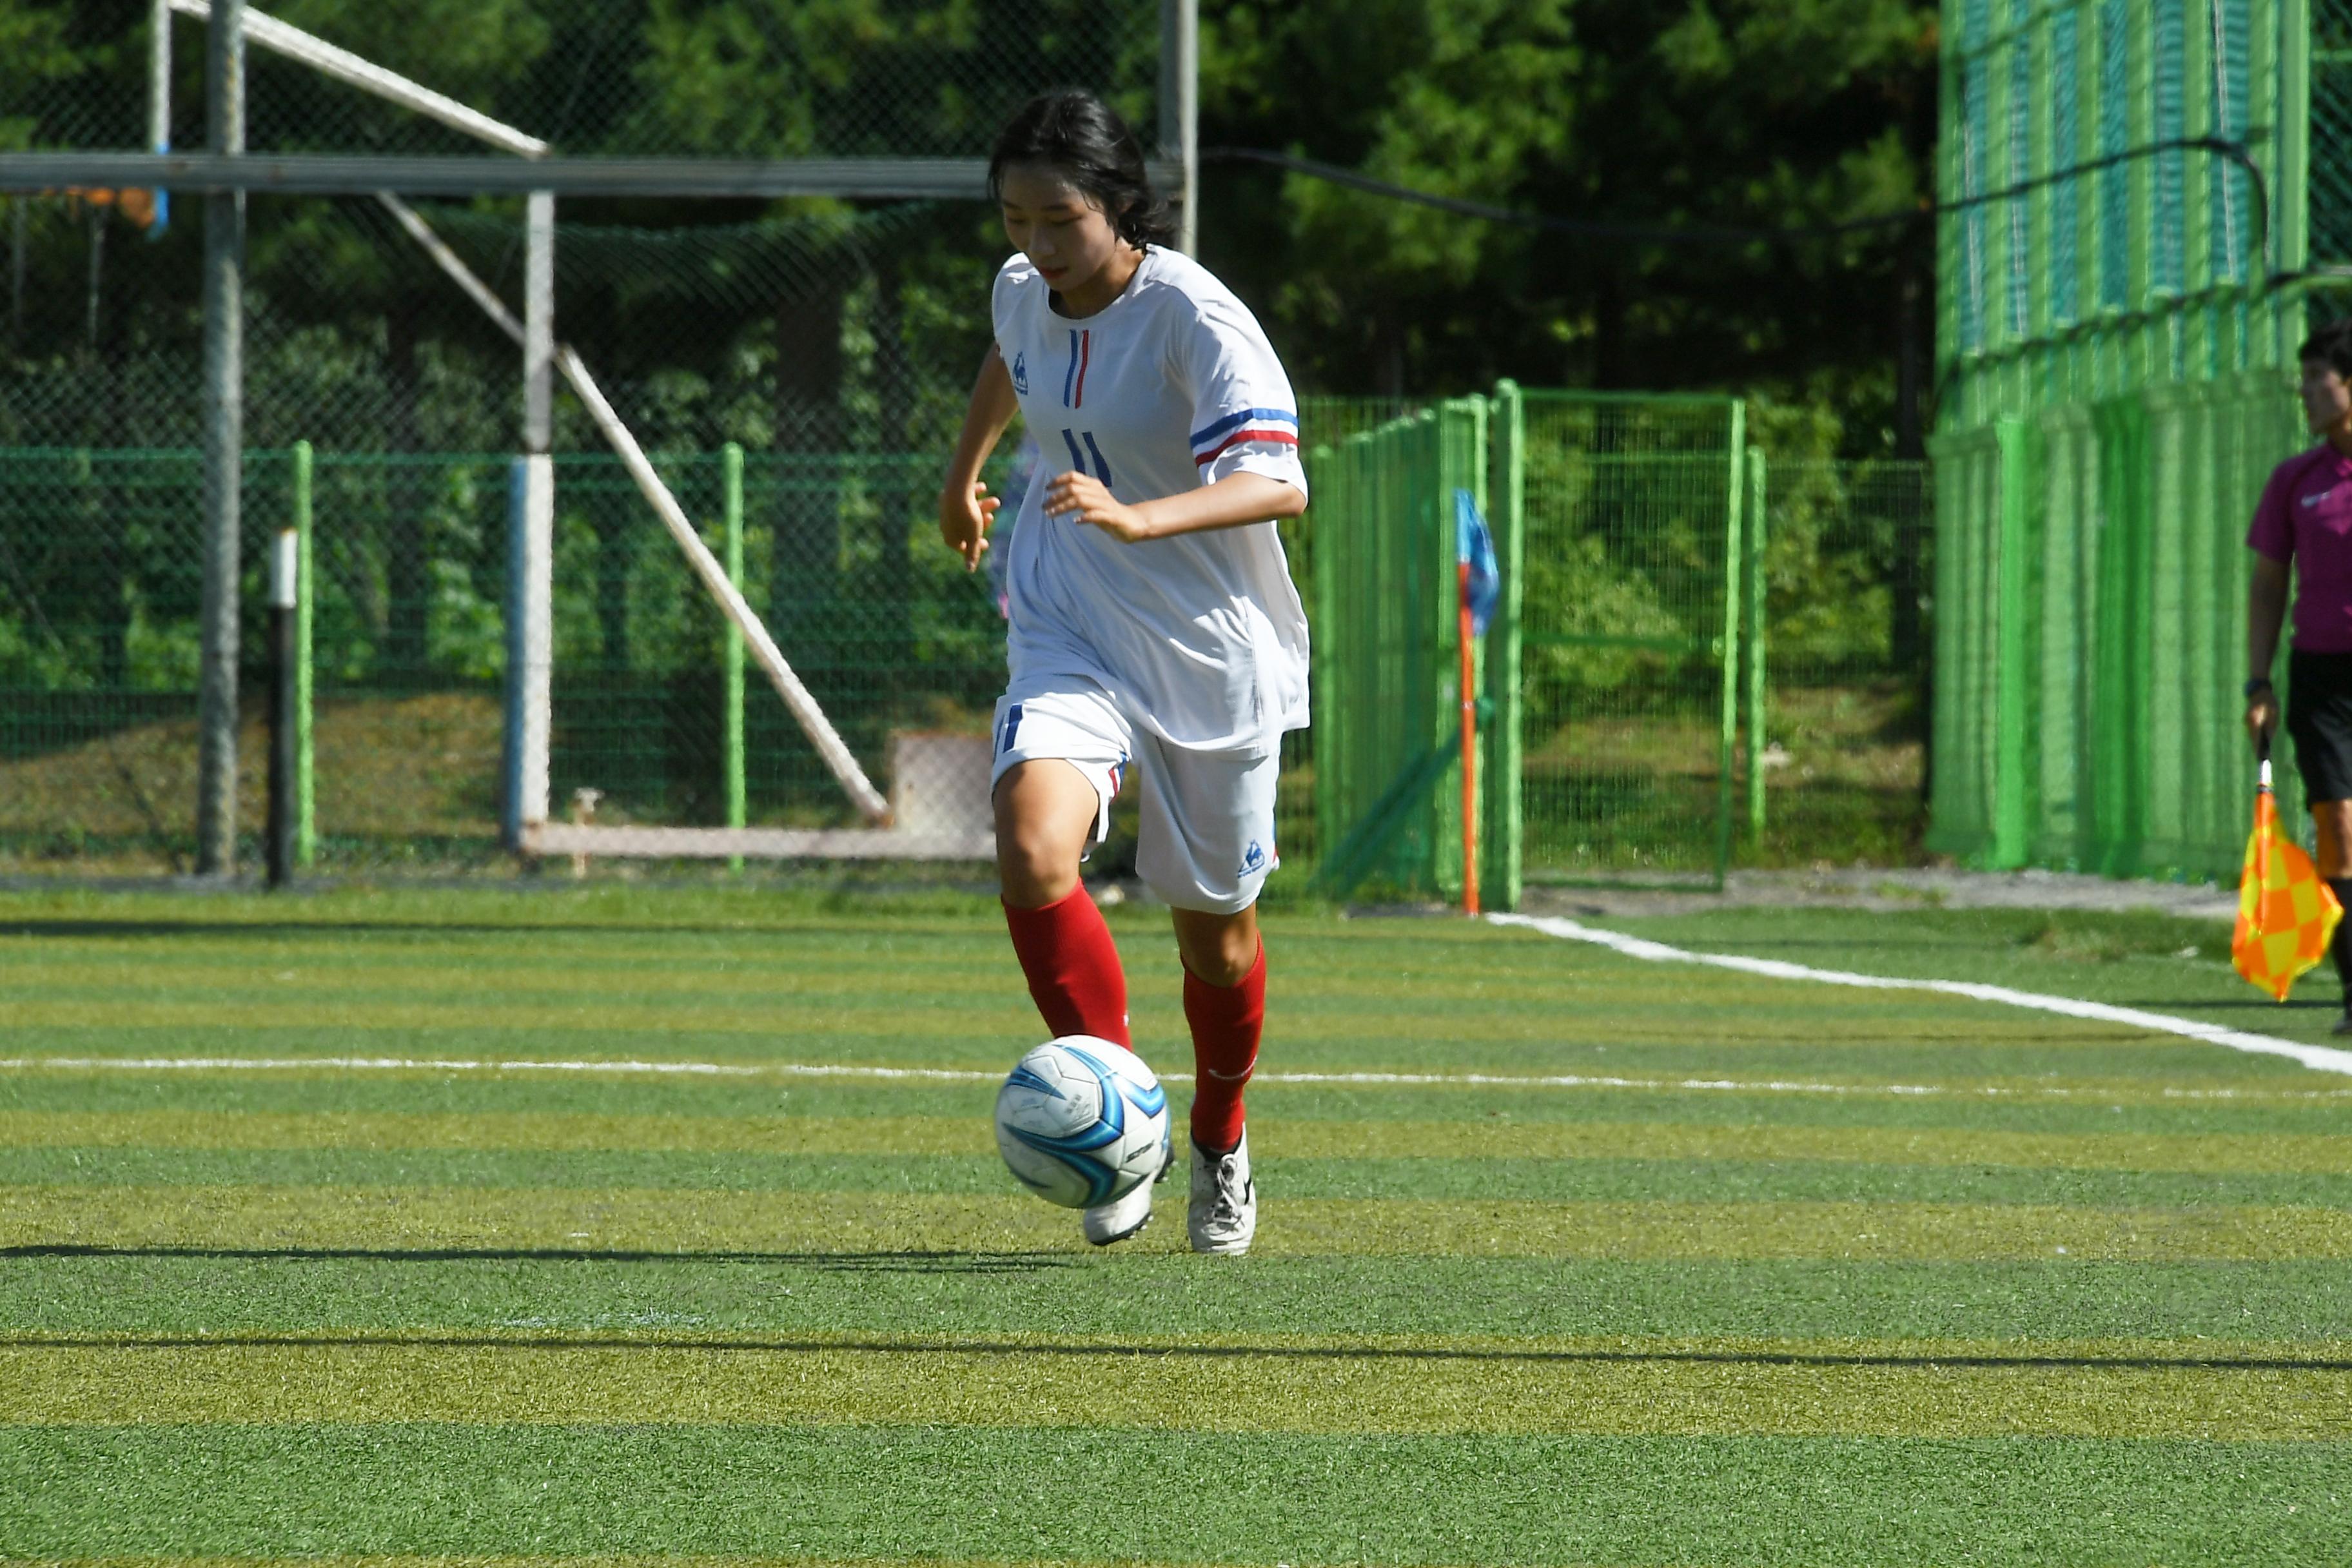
x,y
1115,1350
829,1262
280,930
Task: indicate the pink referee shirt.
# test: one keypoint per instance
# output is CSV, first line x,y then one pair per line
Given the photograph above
x,y
2305,517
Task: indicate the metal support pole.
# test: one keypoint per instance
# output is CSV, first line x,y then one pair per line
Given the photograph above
x,y
533,601
1754,536
2013,649
1729,664
1179,110
224,438
306,808
731,471
284,719
159,102
1505,807
511,731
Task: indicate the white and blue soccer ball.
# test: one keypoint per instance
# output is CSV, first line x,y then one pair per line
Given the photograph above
x,y
1082,1122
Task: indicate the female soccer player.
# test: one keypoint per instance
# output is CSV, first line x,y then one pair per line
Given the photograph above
x,y
1152,617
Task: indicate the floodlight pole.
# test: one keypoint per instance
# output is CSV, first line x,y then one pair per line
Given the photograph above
x,y
1180,109
224,453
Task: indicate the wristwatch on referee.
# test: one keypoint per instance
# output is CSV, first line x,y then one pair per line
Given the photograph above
x,y
2259,684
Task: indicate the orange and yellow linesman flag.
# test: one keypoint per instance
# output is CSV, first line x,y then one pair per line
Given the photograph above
x,y
2286,913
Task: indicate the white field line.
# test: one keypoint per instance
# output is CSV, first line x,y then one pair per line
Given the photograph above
x,y
2323,1059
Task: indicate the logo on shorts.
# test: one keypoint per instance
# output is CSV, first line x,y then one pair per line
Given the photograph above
x,y
1254,860
1021,373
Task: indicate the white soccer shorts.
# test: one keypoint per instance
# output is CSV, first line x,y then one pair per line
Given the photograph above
x,y
1204,823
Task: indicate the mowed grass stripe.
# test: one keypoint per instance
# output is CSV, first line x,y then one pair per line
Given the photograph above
x,y
1406,1027
1123,1294
851,979
1482,998
389,1219
1009,1494
1416,1179
2087,1107
1493,1136
600,1560
1334,1393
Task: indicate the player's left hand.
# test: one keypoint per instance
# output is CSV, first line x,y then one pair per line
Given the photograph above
x,y
1082,498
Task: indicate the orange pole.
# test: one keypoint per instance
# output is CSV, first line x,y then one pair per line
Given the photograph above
x,y
1469,749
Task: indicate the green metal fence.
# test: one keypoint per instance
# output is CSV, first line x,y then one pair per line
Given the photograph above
x,y
1836,681
1387,656
2114,350
1608,678
2093,570
98,555
1630,632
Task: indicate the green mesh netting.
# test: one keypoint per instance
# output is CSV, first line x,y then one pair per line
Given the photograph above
x,y
741,78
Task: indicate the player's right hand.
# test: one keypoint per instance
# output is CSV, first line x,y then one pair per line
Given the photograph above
x,y
964,518
2262,717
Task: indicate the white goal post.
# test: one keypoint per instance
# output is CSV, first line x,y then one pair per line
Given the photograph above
x,y
530,650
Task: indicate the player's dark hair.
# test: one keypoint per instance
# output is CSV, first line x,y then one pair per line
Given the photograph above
x,y
1084,140
2332,343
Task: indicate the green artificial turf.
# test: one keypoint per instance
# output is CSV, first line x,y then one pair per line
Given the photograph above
x,y
1790,1273
1072,1493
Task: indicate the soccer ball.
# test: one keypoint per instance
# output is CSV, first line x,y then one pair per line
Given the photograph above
x,y
1082,1122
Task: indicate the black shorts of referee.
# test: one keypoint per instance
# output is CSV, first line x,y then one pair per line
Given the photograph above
x,y
2319,719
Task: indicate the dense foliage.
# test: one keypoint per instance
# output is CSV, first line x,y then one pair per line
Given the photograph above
x,y
805,328
1724,112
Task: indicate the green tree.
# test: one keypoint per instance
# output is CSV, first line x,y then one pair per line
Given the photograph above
x,y
1762,113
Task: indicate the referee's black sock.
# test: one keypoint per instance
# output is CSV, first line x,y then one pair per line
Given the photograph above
x,y
2340,949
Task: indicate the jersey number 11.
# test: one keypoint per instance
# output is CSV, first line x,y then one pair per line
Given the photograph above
x,y
1100,469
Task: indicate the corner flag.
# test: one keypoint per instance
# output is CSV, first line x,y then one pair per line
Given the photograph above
x,y
2286,915
1474,548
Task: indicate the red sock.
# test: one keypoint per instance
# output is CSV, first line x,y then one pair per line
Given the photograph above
x,y
1226,1022
1073,967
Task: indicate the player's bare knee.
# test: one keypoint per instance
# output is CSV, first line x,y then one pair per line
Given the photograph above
x,y
1218,949
1037,863
1034,869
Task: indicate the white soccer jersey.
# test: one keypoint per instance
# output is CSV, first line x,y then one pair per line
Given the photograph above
x,y
1169,387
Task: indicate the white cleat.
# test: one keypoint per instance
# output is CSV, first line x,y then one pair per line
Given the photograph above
x,y
1222,1215
1115,1221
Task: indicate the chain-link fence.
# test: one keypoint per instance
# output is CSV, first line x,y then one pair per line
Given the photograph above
x,y
826,331
1630,617
98,553
2330,181
808,326
1612,743
1623,764
646,78
1847,578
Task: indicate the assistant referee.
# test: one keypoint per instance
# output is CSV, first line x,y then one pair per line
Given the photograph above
x,y
2304,519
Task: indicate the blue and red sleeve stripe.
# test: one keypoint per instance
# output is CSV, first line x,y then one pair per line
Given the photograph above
x,y
1278,427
